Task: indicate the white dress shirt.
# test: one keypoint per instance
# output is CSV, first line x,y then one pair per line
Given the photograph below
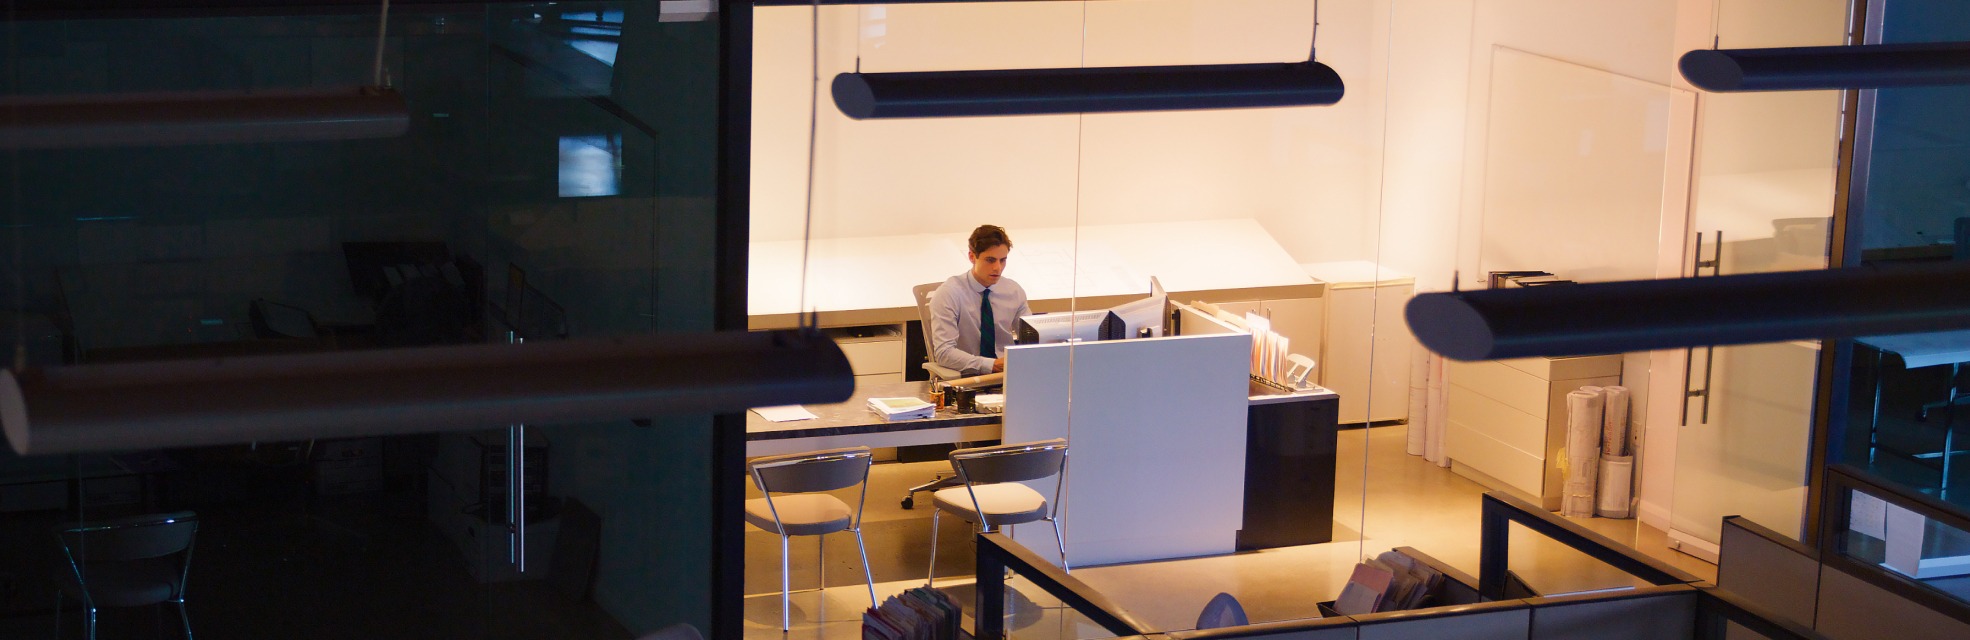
x,y
954,314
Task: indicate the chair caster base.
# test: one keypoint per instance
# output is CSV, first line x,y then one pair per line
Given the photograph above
x,y
910,502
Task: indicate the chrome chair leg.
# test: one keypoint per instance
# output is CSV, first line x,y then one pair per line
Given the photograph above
x,y
932,578
1060,543
786,613
89,624
868,575
184,618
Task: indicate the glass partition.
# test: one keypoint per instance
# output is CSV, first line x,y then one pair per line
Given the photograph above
x,y
553,183
1901,399
1187,232
1494,144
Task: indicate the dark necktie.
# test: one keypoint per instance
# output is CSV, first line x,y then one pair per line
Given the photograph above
x,y
988,334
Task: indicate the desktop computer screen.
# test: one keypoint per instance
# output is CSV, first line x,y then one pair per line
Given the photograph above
x,y
1047,328
1144,318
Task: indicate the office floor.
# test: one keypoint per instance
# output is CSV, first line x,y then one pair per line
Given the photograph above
x,y
1408,502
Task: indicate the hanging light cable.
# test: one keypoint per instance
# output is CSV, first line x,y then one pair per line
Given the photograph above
x,y
209,117
1003,92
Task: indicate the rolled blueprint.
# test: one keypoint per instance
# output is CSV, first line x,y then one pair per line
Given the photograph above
x,y
1419,401
1617,483
1439,413
1614,429
1583,448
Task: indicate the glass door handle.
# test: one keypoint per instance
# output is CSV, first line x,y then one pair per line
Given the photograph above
x,y
1716,266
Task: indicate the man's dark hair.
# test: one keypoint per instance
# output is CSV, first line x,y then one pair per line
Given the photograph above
x,y
987,236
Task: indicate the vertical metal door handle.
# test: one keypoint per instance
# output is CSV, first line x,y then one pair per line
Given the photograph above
x,y
513,497
1709,357
1689,358
1716,265
520,488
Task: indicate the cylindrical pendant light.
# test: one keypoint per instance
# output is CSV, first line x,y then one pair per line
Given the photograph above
x,y
1838,67
1641,315
44,122
1005,92
340,394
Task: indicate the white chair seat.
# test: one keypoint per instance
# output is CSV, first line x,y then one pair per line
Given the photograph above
x,y
1003,504
805,514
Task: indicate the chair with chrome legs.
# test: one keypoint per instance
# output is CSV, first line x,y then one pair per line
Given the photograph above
x,y
802,510
991,495
126,562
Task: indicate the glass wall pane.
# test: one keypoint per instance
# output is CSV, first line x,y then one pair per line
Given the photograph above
x,y
1885,534
1900,422
533,198
1213,216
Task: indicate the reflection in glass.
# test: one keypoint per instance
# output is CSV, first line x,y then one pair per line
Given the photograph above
x,y
1883,533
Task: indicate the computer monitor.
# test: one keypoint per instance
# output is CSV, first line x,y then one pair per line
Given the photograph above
x,y
1090,325
1145,318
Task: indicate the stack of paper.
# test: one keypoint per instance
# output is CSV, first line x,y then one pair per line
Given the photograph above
x,y
1269,349
1413,582
894,409
917,614
1391,581
1364,590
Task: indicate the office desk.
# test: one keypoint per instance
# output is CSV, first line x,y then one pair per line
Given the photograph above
x,y
1905,395
852,424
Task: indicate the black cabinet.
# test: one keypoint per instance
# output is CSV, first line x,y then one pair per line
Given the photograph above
x,y
1289,471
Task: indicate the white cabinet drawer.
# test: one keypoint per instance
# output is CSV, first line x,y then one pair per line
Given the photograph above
x,y
1507,385
1514,428
1488,455
874,356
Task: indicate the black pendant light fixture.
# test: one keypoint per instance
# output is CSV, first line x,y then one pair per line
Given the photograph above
x,y
1005,92
202,118
208,117
115,407
1642,315
1837,67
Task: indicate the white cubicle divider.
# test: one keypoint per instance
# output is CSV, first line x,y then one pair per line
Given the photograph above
x,y
1156,437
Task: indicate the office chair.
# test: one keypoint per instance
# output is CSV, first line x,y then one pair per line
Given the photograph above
x,y
679,631
126,562
937,371
1222,611
992,496
806,511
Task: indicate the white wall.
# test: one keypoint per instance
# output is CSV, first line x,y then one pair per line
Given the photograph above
x,y
1307,174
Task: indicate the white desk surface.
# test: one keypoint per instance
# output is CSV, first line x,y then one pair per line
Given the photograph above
x,y
1924,349
867,280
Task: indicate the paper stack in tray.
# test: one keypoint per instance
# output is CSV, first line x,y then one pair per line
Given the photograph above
x,y
893,409
917,614
1392,581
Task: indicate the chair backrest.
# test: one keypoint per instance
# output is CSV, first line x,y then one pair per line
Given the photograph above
x,y
679,631
1222,611
133,538
813,471
1016,462
922,293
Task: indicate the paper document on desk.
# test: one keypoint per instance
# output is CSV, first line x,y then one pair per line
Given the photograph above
x,y
784,413
901,408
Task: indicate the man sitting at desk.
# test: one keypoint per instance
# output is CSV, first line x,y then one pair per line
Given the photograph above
x,y
977,298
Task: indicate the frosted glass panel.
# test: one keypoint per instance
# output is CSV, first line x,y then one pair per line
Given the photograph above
x,y
1749,459
1574,168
